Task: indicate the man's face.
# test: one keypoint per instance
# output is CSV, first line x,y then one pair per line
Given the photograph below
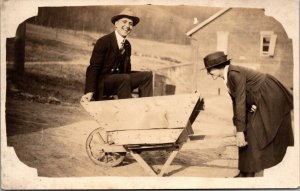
x,y
124,26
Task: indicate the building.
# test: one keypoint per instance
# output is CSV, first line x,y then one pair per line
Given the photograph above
x,y
249,37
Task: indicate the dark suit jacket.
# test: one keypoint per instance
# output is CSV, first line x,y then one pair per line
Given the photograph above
x,y
106,57
273,101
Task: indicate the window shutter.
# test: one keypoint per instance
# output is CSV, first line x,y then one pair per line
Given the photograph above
x,y
272,45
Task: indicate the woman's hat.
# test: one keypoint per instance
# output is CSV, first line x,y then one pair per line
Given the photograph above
x,y
127,13
214,59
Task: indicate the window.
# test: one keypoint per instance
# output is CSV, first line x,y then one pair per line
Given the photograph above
x,y
267,43
222,41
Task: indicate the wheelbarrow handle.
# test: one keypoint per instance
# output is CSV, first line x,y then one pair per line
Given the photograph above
x,y
198,107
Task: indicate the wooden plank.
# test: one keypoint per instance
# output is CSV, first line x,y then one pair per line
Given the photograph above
x,y
143,113
112,148
168,162
142,136
148,147
143,164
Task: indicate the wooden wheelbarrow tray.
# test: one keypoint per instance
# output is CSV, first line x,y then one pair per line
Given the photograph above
x,y
141,124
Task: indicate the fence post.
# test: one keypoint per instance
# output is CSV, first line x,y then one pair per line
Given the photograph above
x,y
19,48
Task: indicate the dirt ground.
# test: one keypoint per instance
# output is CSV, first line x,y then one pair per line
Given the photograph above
x,y
51,138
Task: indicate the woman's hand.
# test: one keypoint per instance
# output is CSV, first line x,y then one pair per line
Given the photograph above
x,y
240,139
87,97
253,108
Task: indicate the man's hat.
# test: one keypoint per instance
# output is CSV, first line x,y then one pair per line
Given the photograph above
x,y
214,59
127,13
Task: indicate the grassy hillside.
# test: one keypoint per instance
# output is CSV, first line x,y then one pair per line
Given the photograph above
x,y
158,23
52,44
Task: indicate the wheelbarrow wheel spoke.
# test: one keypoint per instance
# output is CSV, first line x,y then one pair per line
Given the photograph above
x,y
98,156
101,140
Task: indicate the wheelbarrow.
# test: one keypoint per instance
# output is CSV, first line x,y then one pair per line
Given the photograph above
x,y
141,124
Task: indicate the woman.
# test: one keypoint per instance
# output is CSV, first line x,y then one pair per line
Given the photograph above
x,y
262,114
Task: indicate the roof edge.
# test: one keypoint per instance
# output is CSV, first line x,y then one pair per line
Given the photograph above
x,y
207,21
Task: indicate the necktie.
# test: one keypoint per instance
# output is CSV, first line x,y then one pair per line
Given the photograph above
x,y
122,50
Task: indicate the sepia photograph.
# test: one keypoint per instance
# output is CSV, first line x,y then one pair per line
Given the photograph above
x,y
149,94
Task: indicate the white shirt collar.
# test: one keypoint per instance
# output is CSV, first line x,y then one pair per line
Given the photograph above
x,y
226,74
119,39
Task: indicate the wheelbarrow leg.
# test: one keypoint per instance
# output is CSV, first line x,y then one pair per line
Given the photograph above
x,y
168,162
148,169
142,162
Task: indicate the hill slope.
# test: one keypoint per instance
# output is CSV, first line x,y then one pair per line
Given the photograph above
x,y
159,23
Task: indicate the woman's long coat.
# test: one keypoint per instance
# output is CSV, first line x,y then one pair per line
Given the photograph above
x,y
268,131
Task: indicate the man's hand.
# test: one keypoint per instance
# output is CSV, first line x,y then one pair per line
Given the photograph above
x,y
240,139
87,97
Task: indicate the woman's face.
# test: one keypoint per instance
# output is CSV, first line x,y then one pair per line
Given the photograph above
x,y
215,73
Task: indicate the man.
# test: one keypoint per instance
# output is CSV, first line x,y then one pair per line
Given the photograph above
x,y
109,72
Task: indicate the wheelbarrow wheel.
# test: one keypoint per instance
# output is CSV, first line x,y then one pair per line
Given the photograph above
x,y
98,156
